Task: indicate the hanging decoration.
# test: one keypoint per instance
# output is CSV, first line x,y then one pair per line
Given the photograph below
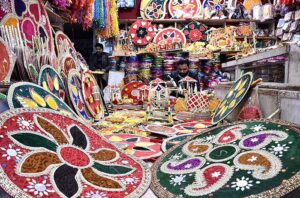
x,y
29,95
7,62
81,12
226,162
51,81
99,20
141,32
184,9
76,97
170,38
48,154
92,96
156,9
112,24
195,31
233,98
136,145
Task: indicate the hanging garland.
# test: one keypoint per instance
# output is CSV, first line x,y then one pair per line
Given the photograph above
x,y
112,26
99,14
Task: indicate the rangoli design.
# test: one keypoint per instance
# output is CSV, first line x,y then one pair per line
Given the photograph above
x,y
233,98
161,130
195,31
63,43
32,18
141,32
156,9
169,36
65,159
67,63
215,4
76,96
29,95
183,9
193,126
255,158
92,96
7,62
137,145
51,81
131,90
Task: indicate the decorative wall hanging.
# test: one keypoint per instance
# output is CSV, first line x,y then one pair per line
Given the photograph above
x,y
234,160
235,95
46,154
162,130
51,81
198,102
180,9
138,146
75,91
156,9
131,90
29,95
169,37
92,96
172,141
193,126
7,62
63,43
215,4
195,32
143,6
67,63
141,32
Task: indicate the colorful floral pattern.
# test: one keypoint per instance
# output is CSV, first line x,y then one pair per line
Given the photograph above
x,y
7,62
215,4
234,162
169,36
195,31
156,9
61,157
141,32
233,98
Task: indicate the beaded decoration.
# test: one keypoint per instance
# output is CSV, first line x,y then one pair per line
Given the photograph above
x,y
233,160
47,154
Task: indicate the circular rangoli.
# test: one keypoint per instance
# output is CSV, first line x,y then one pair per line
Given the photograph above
x,y
141,32
169,36
195,31
46,154
257,158
180,9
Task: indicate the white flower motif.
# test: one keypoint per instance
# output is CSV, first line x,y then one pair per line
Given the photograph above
x,y
96,194
10,152
252,159
242,184
40,189
187,166
209,138
254,139
24,124
176,157
130,180
258,127
216,174
279,149
177,180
